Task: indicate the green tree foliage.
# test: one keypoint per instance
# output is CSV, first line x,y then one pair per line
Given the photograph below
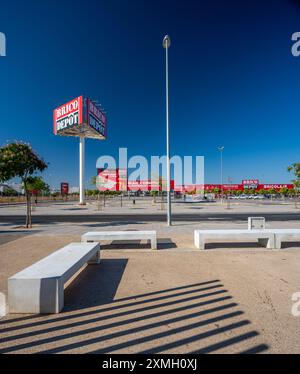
x,y
19,160
284,191
37,184
262,192
94,180
295,169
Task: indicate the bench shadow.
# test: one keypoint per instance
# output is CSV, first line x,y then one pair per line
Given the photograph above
x,y
286,245
165,243
180,319
95,285
162,243
234,245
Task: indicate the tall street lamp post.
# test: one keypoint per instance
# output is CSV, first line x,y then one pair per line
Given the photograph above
x,y
166,45
221,149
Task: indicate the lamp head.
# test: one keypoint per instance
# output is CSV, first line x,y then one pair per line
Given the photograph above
x,y
166,41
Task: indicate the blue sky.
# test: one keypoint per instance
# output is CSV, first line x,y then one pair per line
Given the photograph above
x,y
233,81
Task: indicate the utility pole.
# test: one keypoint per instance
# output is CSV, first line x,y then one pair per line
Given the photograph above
x,y
221,149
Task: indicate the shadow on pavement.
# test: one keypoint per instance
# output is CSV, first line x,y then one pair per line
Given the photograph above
x,y
192,318
112,224
9,236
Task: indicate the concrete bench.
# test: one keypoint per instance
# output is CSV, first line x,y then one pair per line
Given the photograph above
x,y
285,235
40,287
121,235
265,238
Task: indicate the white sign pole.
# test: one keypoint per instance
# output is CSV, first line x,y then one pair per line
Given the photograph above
x,y
166,45
81,170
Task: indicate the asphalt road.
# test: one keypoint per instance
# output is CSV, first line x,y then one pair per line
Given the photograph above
x,y
157,217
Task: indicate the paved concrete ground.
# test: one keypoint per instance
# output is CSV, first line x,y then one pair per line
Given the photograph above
x,y
52,215
230,298
147,206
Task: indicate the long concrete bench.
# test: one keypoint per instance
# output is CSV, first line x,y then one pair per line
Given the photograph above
x,y
285,235
265,238
121,235
40,287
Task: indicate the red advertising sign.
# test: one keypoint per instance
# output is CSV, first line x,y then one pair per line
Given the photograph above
x,y
148,185
64,188
275,186
122,179
251,182
209,187
96,118
107,180
68,115
143,185
116,180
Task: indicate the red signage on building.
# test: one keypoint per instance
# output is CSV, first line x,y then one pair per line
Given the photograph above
x,y
116,180
276,186
247,182
68,115
64,188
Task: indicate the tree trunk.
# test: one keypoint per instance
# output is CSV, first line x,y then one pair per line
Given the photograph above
x,y
30,211
98,201
27,209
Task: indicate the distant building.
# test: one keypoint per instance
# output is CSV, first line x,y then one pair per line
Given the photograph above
x,y
74,190
17,187
6,187
116,180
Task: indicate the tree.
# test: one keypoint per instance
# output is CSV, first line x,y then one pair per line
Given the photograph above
x,y
94,180
284,191
262,192
295,169
19,160
36,184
